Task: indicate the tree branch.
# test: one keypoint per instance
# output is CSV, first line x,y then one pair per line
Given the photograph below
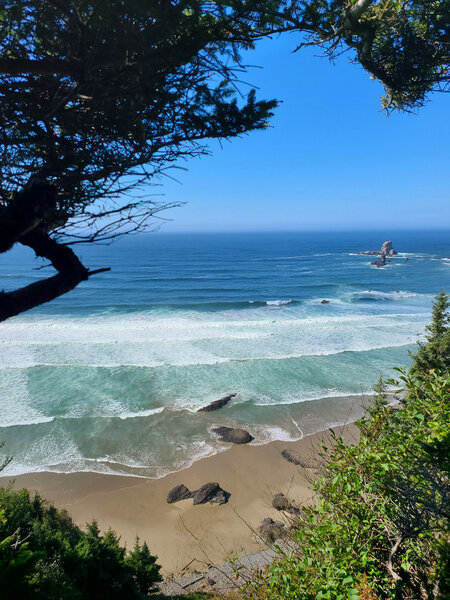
x,y
71,273
43,66
395,547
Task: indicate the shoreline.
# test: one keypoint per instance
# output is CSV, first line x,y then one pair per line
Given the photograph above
x,y
302,419
185,537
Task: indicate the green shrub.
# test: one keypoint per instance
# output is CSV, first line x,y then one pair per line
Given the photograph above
x,y
380,529
44,555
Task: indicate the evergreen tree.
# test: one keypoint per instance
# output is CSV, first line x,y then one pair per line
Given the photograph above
x,y
144,567
434,353
45,556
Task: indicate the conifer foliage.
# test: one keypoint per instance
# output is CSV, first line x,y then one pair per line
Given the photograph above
x,y
44,555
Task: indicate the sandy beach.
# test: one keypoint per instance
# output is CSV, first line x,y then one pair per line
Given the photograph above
x,y
183,536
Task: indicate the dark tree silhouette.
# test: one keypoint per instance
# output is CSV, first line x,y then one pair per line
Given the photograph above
x,y
99,98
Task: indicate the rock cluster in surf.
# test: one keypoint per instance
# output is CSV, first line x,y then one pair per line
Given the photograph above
x,y
387,250
217,403
232,435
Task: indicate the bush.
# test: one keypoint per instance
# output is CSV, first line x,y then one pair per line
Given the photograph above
x,y
380,529
45,555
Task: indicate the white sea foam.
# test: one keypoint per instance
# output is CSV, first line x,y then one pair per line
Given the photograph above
x,y
392,295
107,409
277,302
136,342
316,394
17,405
142,413
265,434
45,453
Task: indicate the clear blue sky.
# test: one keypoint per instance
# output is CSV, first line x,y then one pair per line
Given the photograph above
x,y
331,160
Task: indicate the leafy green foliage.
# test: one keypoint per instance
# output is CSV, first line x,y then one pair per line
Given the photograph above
x,y
44,555
403,43
381,529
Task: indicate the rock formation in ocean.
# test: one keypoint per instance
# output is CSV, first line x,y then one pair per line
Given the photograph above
x,y
386,250
179,492
380,262
217,403
232,435
212,493
325,302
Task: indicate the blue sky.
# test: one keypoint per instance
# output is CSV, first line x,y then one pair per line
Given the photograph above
x,y
331,159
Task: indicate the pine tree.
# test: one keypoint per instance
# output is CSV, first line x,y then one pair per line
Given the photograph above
x,y
144,567
434,353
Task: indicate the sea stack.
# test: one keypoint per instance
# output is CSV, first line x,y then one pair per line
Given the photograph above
x,y
387,250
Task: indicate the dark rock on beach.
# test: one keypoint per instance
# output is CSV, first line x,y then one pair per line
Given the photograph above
x,y
280,502
212,493
271,530
234,436
217,404
179,492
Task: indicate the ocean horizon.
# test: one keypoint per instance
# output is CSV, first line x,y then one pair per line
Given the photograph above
x,y
109,377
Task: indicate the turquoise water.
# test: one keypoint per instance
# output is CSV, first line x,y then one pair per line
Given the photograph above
x,y
109,377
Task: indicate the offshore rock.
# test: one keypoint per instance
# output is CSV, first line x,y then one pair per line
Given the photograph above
x,y
217,404
234,436
212,493
325,302
179,492
380,262
386,251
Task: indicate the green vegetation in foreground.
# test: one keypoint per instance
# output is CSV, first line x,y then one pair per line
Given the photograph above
x,y
44,555
381,527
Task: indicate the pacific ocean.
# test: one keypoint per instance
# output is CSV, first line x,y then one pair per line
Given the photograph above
x,y
109,377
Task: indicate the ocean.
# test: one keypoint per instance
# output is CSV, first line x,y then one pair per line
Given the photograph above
x,y
108,378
